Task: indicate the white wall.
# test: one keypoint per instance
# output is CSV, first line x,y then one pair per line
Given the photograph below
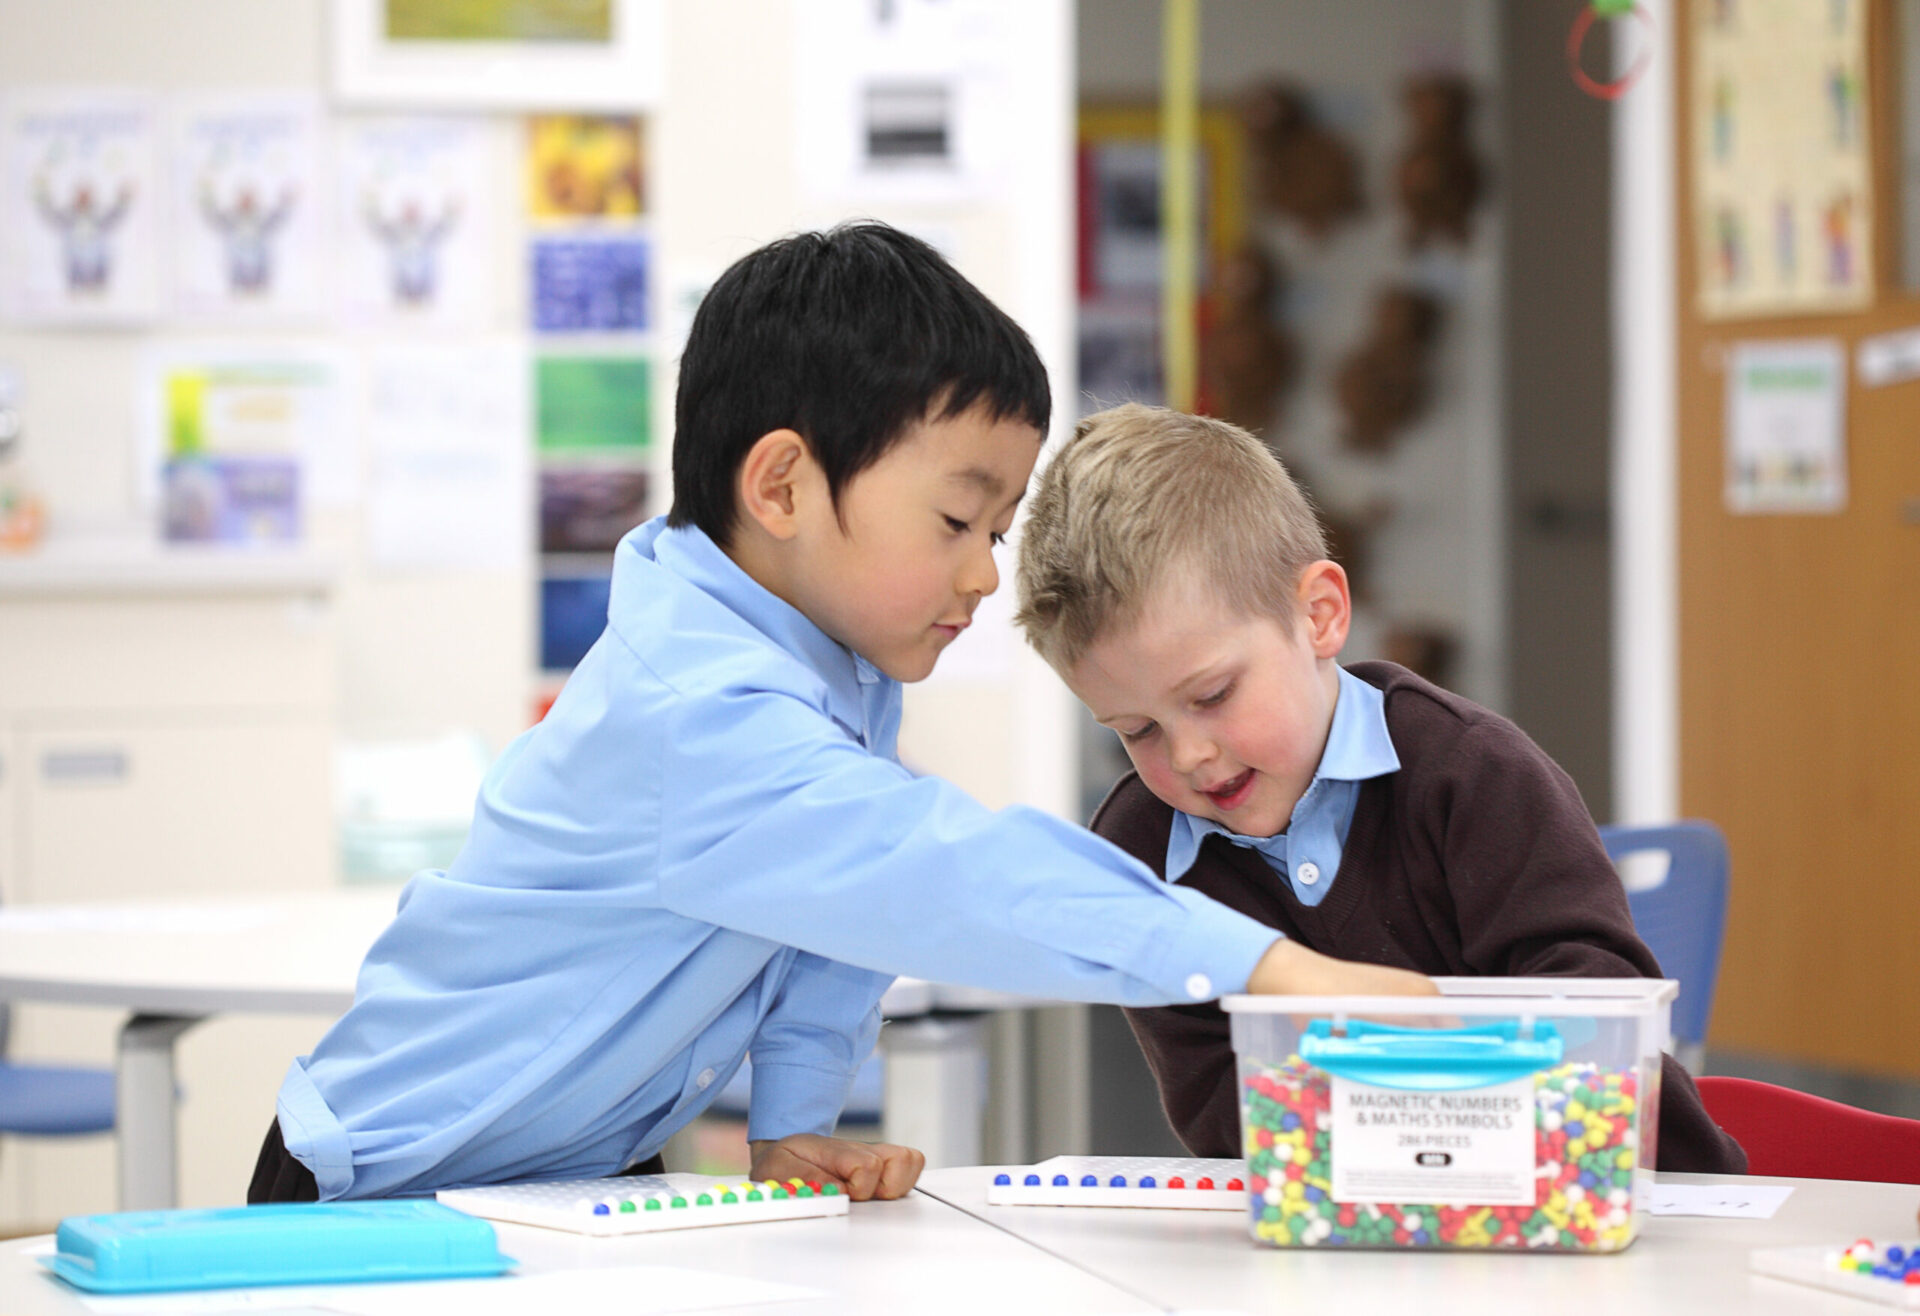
x,y
727,182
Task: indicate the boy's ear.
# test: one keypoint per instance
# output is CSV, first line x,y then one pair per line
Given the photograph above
x,y
771,479
1326,607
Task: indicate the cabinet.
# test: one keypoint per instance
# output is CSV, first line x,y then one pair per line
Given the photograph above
x,y
166,728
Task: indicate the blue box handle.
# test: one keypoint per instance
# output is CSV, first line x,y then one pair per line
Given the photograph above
x,y
1431,1059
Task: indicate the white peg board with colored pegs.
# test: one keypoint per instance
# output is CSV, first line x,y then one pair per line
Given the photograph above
x,y
1889,1275
647,1203
1151,1181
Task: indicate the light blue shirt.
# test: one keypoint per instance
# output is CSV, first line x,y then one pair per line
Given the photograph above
x,y
708,847
1307,854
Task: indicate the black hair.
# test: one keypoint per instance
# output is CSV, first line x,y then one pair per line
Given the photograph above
x,y
847,337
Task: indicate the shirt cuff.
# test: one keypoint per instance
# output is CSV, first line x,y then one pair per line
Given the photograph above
x,y
313,1136
1213,953
789,1099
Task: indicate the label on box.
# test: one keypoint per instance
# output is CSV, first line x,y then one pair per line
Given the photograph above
x,y
1472,1146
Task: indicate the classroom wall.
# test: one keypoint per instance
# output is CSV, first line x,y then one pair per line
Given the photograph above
x,y
419,651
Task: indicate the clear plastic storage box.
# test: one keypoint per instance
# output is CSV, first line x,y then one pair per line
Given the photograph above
x,y
1504,1113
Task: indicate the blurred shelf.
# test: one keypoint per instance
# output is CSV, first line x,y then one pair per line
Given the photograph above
x,y
119,566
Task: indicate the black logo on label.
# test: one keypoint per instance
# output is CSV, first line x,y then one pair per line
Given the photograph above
x,y
1434,1158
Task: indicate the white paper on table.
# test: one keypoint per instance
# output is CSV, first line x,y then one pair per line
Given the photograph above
x,y
80,206
633,1290
1786,439
249,223
1736,1201
447,431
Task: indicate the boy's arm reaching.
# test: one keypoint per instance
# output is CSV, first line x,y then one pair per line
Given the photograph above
x,y
815,842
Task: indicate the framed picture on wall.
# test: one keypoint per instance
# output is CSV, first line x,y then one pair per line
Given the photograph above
x,y
498,54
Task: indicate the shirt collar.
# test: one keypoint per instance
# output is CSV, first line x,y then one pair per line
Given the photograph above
x,y
687,552
1358,748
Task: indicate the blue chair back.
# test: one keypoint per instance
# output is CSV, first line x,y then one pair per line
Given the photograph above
x,y
1683,920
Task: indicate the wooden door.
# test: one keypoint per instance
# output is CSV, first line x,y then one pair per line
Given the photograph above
x,y
1800,673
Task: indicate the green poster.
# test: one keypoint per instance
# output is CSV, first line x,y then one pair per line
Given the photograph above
x,y
593,403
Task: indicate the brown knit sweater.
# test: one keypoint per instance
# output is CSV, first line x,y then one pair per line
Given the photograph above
x,y
1476,858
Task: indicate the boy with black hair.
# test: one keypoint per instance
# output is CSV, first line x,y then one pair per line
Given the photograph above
x,y
709,848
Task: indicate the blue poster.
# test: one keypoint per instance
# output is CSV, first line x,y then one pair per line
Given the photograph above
x,y
589,284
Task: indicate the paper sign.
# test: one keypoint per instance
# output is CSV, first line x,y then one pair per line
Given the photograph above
x,y
412,202
248,226
1888,358
80,207
1473,1145
1786,427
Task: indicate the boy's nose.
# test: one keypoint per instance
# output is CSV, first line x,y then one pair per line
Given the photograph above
x,y
1186,752
981,575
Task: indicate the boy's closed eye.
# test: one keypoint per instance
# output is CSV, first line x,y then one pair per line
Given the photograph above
x,y
959,527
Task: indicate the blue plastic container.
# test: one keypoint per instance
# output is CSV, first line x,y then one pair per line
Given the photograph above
x,y
284,1243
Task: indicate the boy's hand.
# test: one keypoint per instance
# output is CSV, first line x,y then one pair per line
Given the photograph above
x,y
1290,969
866,1170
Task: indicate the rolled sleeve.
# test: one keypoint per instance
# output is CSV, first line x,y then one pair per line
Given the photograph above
x,y
791,1098
811,1043
313,1135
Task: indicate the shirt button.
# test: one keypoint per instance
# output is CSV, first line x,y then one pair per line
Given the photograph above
x,y
1199,986
1308,873
706,1078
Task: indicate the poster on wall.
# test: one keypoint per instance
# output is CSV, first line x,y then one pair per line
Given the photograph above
x,y
1787,426
592,405
1782,171
905,101
588,283
498,54
412,204
81,208
247,216
583,167
447,428
238,444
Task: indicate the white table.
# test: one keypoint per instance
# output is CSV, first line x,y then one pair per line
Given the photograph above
x,y
1679,1264
944,1250
916,1255
172,964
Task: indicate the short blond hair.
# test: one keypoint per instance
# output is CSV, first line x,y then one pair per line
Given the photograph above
x,y
1140,493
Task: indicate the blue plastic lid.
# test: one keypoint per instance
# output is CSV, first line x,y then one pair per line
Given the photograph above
x,y
1431,1059
283,1243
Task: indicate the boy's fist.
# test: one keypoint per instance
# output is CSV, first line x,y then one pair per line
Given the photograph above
x,y
1290,969
866,1170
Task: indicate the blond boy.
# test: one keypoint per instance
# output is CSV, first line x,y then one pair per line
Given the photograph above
x,y
1178,580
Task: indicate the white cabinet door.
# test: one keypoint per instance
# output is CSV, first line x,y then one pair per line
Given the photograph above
x,y
219,805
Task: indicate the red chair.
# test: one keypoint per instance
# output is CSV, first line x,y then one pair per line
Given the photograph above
x,y
1794,1135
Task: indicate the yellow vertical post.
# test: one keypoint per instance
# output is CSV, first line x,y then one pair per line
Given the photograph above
x,y
1179,198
